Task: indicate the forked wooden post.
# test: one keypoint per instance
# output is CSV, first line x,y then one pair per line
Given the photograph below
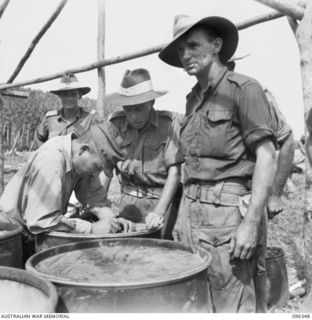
x,y
1,147
101,56
303,34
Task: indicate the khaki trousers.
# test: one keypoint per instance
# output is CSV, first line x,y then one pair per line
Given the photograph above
x,y
210,225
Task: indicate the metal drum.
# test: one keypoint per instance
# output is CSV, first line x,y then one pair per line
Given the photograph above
x,y
55,238
183,289
21,291
11,252
277,280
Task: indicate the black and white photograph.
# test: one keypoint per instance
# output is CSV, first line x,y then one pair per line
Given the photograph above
x,y
155,159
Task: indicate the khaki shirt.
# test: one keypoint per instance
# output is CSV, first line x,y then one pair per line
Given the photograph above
x,y
37,196
53,124
283,128
150,152
223,126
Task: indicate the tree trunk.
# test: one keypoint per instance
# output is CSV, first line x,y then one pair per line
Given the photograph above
x,y
304,39
101,56
303,34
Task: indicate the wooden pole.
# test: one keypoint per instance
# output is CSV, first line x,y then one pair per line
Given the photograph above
x,y
129,56
303,35
1,147
101,56
36,40
286,7
3,6
259,19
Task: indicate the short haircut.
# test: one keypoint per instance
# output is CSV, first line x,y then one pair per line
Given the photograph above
x,y
230,65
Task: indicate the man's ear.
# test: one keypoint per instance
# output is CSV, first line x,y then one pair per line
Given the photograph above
x,y
217,44
84,148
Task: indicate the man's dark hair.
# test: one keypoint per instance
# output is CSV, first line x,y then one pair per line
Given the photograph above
x,y
230,65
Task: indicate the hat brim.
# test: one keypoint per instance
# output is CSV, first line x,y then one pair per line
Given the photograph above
x,y
82,90
122,100
223,27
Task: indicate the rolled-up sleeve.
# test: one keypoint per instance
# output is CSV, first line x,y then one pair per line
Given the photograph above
x,y
283,129
255,117
173,152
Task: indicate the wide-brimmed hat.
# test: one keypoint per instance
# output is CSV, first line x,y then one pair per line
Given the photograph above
x,y
136,88
70,82
224,28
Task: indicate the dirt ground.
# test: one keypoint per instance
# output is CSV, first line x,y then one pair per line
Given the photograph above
x,y
284,231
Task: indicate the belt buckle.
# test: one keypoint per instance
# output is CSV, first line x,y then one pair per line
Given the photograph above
x,y
216,200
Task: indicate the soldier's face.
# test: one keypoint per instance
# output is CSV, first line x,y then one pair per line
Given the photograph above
x,y
69,98
138,115
197,51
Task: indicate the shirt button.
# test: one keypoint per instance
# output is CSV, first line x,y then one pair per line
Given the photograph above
x,y
215,241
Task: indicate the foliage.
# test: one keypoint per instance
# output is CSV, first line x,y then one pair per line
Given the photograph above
x,y
30,111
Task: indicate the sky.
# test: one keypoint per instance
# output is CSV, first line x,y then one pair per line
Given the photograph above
x,y
132,25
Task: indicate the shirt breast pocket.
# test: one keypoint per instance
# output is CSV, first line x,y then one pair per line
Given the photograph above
x,y
153,157
216,135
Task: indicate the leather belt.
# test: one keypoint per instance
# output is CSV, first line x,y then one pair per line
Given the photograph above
x,y
209,195
229,181
139,192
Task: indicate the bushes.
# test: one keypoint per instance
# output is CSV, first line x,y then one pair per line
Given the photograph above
x,y
22,116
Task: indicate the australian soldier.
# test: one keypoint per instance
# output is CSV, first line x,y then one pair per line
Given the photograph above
x,y
227,138
150,174
37,196
70,118
285,153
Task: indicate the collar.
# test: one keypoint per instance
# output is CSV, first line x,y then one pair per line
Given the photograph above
x,y
154,121
77,114
212,85
67,150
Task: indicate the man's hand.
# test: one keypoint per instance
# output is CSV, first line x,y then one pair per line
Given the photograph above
x,y
154,220
275,206
126,225
244,240
105,225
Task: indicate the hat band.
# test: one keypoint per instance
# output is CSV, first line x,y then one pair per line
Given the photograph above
x,y
70,85
140,88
